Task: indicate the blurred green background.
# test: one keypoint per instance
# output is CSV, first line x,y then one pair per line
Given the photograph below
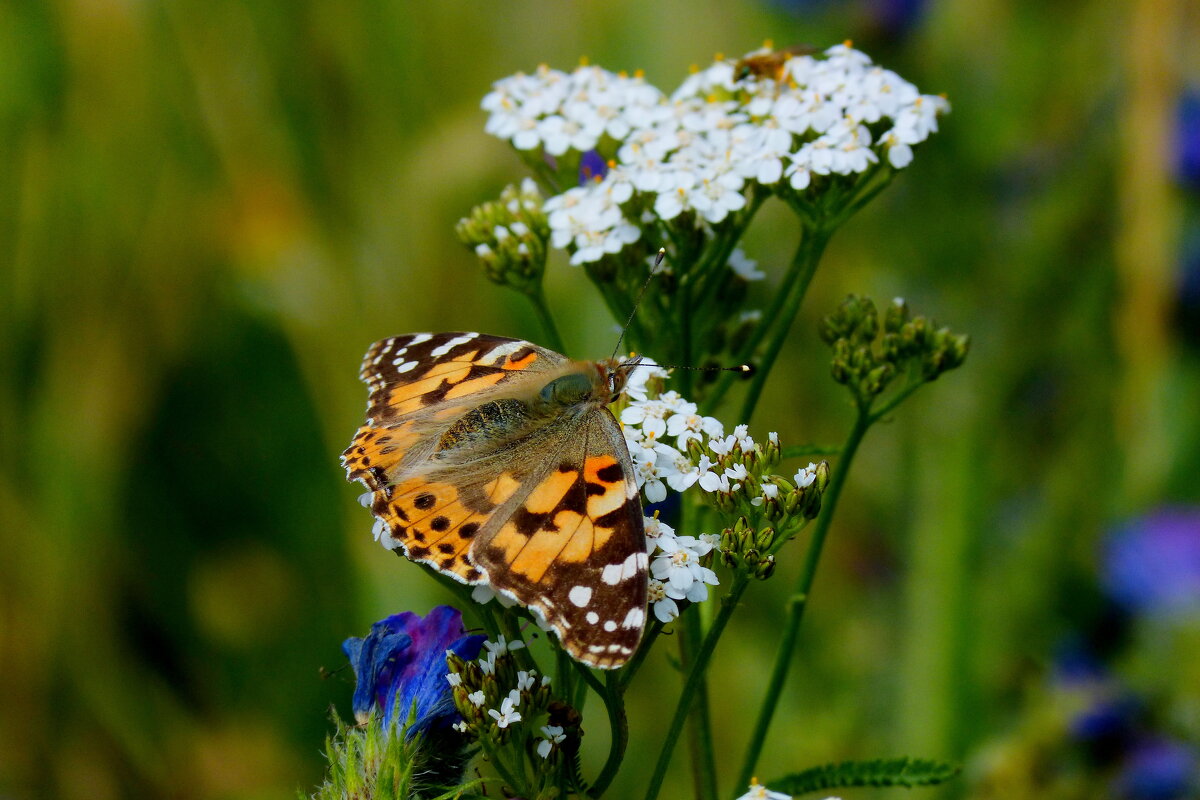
x,y
209,209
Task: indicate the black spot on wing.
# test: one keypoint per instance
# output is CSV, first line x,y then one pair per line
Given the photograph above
x,y
612,473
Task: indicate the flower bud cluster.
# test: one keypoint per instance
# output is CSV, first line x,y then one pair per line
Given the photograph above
x,y
510,236
869,362
743,547
494,696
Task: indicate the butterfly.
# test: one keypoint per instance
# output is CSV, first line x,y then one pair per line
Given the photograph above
x,y
496,461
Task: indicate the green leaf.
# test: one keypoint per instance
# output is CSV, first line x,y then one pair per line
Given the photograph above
x,y
907,772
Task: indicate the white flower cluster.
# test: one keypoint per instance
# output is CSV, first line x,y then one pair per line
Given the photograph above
x,y
705,147
678,573
527,681
650,421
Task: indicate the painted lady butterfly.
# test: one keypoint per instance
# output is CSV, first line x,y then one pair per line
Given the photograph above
x,y
497,462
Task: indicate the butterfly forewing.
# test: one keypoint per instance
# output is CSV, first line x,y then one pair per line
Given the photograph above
x,y
543,508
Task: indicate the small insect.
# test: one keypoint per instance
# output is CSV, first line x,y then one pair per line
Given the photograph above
x,y
770,64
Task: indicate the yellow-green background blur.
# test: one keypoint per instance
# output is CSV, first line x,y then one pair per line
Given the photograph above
x,y
208,209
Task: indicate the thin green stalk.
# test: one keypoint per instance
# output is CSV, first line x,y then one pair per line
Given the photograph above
x,y
695,678
808,255
504,770
773,313
618,724
700,740
538,298
630,669
799,600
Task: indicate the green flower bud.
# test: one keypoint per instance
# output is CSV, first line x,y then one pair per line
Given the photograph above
x,y
765,568
765,538
896,315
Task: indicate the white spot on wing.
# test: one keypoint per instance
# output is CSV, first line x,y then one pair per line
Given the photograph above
x,y
406,366
610,626
418,338
441,350
501,352
592,617
580,595
634,619
611,574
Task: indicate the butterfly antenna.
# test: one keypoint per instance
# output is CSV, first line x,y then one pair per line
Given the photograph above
x,y
662,253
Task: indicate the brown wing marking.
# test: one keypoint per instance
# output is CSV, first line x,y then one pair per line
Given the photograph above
x,y
415,372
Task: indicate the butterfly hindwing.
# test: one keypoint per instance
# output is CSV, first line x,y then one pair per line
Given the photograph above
x,y
574,550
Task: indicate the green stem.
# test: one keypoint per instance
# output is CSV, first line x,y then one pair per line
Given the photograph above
x,y
700,741
502,769
891,405
635,663
799,600
804,263
618,724
771,315
695,678
538,298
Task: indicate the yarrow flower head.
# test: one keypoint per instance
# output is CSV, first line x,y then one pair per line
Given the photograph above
x,y
701,152
400,667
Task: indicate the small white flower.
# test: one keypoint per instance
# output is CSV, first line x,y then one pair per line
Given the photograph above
x,y
507,714
650,415
665,608
454,679
646,370
460,726
710,481
760,792
553,735
476,698
656,528
525,680
678,567
645,470
770,491
501,646
806,476
746,268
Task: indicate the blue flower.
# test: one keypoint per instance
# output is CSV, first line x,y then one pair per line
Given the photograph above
x,y
1158,769
402,661
1152,565
1187,138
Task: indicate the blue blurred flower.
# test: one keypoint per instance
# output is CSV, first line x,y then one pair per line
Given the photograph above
x,y
1158,769
402,661
1187,138
592,166
1152,564
1106,712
